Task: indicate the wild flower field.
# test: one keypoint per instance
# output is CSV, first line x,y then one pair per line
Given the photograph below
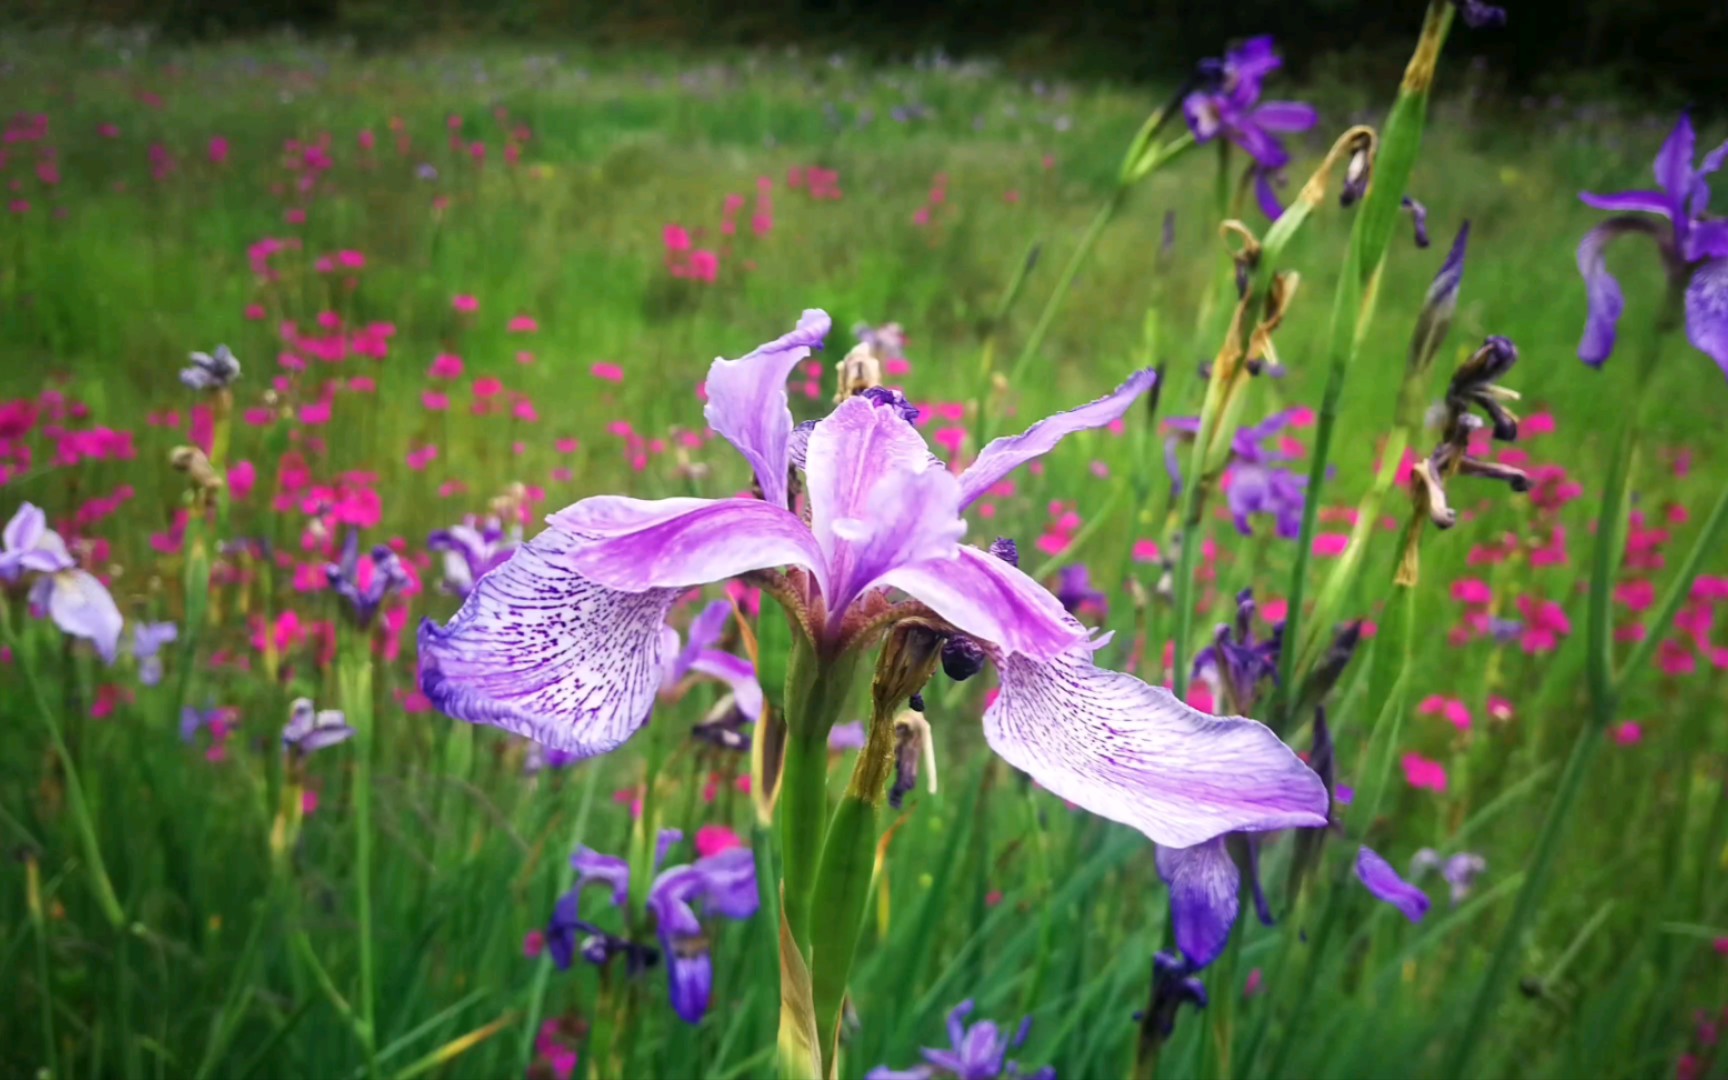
x,y
855,756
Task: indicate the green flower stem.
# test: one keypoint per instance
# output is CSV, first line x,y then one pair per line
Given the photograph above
x,y
44,987
566,878
354,678
1707,543
1353,310
1603,688
817,690
25,661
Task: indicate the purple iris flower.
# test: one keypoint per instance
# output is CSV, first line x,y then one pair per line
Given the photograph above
x,y
471,550
976,1052
1074,589
1231,107
563,643
147,642
312,729
75,599
722,885
1459,871
1238,659
209,372
1377,875
1694,248
1256,483
193,720
365,593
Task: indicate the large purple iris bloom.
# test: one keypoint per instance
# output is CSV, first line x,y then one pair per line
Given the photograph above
x,y
1694,248
563,643
976,1052
722,885
1231,107
75,599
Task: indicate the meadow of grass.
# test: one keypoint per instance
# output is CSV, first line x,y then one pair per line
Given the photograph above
x,y
455,280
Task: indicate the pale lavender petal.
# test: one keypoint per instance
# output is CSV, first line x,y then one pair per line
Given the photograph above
x,y
25,528
1648,202
747,401
1204,885
1285,117
1673,167
738,675
705,630
636,544
543,652
1707,311
992,600
1383,881
82,606
729,884
878,500
1602,289
1006,454
1135,754
593,868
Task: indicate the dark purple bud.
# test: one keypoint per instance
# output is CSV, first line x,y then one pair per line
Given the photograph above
x,y
962,658
1419,216
1173,985
1337,658
916,703
1488,470
1357,172
908,752
1006,550
1492,361
1323,757
1480,16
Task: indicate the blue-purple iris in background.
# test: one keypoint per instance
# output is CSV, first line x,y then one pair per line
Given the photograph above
x,y
471,550
1228,105
208,371
75,599
1694,248
311,729
147,642
564,643
1255,482
722,885
976,1052
365,588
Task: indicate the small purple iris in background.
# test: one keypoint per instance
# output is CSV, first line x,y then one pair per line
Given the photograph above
x,y
365,586
211,372
1694,248
312,729
1255,484
471,550
147,642
1228,104
1238,660
1074,589
1459,871
75,599
976,1052
564,643
722,885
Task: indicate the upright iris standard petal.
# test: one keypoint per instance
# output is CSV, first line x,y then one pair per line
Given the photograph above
x,y
878,500
738,675
593,868
1707,311
1204,885
1006,454
541,651
707,627
636,544
1673,165
747,401
81,605
993,601
1135,754
1377,875
1603,294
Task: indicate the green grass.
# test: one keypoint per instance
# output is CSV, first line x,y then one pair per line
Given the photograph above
x,y
226,964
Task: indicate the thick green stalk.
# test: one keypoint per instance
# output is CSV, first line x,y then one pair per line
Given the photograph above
x,y
1353,305
354,678
842,893
817,691
82,820
1603,689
